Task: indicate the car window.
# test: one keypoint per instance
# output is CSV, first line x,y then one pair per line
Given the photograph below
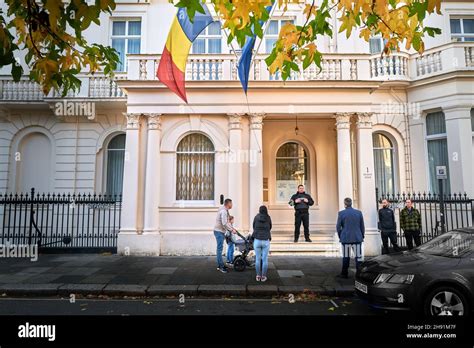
x,y
451,244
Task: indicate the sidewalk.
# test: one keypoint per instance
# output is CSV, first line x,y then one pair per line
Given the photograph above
x,y
114,275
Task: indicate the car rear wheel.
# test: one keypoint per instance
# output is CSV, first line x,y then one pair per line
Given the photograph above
x,y
446,301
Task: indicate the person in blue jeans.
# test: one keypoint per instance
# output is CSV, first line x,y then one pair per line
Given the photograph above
x,y
262,226
230,243
222,226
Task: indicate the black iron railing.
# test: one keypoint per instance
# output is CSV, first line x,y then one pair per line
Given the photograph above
x,y
61,222
439,213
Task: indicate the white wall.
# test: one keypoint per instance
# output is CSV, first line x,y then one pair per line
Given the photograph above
x,y
75,147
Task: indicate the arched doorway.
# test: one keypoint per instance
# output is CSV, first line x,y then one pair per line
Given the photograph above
x,y
292,169
34,163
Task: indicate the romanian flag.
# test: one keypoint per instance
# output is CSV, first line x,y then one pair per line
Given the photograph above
x,y
172,68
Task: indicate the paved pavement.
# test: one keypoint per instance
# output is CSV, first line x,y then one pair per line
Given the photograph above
x,y
114,275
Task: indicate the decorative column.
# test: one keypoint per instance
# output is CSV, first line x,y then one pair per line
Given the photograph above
x,y
459,134
344,162
151,233
235,167
130,192
256,168
366,180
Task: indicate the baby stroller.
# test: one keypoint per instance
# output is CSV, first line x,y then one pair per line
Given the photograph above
x,y
245,246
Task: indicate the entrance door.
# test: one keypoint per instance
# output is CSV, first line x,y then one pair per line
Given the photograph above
x,y
291,170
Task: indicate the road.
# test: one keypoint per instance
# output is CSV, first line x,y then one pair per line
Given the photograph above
x,y
172,306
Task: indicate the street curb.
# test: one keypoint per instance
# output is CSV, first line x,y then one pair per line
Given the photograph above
x,y
230,290
172,290
125,290
16,289
204,290
81,289
262,290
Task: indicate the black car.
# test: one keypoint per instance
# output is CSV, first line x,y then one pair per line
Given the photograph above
x,y
436,278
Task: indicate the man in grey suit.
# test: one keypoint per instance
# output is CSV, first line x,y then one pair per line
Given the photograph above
x,y
350,229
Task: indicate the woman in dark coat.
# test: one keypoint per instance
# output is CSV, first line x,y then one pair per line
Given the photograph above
x,y
262,225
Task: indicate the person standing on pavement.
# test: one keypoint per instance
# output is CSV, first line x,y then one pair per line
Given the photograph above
x,y
230,243
301,201
351,231
221,226
262,226
410,222
388,227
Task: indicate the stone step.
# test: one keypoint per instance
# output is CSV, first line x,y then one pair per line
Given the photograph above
x,y
303,247
323,243
315,239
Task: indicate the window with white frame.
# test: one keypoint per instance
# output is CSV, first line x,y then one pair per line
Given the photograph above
x,y
126,38
195,168
272,32
384,163
376,45
437,144
209,41
462,29
115,163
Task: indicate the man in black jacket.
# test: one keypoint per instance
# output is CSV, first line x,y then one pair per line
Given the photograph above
x,y
301,201
388,227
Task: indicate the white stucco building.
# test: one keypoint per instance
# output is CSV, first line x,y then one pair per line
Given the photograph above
x,y
364,121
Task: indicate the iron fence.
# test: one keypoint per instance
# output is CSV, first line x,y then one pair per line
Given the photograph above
x,y
439,213
61,222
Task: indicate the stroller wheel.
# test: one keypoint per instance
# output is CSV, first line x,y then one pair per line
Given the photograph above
x,y
239,264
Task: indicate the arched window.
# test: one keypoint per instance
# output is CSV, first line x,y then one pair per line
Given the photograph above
x,y
115,163
195,168
384,162
437,143
291,170
34,168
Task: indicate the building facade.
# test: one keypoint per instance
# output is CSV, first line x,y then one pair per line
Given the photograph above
x,y
364,122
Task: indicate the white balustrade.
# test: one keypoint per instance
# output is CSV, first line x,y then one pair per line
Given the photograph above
x,y
469,56
429,63
224,67
103,87
23,90
390,67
